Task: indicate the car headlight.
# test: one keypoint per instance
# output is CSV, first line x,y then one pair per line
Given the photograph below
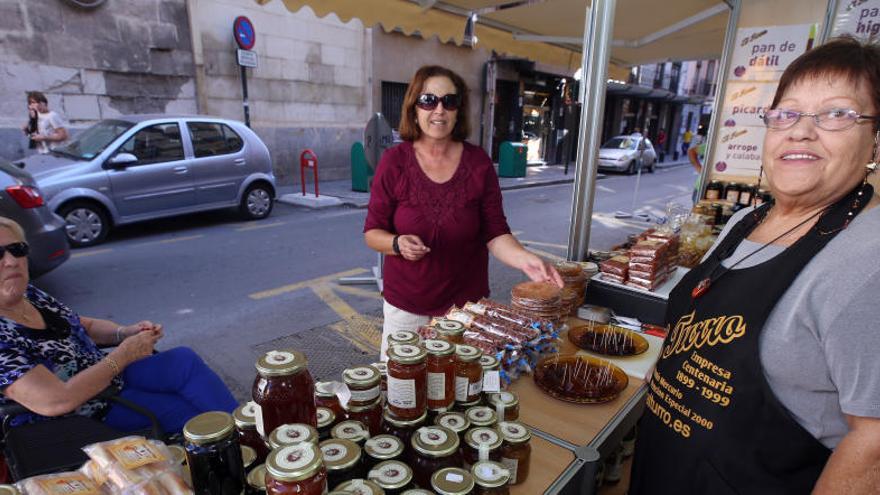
x,y
623,158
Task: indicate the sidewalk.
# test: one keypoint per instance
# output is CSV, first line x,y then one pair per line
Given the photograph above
x,y
338,192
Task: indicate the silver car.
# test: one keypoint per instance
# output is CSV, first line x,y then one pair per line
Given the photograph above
x,y
142,167
628,154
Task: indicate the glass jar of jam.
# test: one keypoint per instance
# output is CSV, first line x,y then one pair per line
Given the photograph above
x,y
407,380
382,368
256,481
364,383
214,454
468,374
516,452
245,417
342,459
392,476
292,434
381,448
248,458
360,486
481,444
325,396
326,421
434,448
284,390
453,420
351,430
452,481
714,190
731,192
369,414
417,491
462,407
403,337
491,373
490,478
450,330
296,469
506,405
403,429
440,365
746,195
481,416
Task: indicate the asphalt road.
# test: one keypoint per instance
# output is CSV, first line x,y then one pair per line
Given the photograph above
x,y
232,290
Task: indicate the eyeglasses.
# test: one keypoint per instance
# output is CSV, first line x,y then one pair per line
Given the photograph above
x,y
16,249
428,101
836,119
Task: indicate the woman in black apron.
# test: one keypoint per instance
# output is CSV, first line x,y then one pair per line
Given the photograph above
x,y
712,423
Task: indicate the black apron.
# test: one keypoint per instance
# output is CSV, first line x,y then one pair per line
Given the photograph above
x,y
712,425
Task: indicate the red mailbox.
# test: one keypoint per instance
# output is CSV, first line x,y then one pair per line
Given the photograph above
x,y
308,159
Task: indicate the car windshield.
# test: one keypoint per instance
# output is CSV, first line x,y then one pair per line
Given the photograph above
x,y
91,142
621,143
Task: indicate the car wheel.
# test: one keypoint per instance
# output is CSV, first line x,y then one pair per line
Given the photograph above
x,y
257,202
87,223
631,169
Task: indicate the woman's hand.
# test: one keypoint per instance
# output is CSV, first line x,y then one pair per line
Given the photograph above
x,y
539,270
412,248
141,326
138,346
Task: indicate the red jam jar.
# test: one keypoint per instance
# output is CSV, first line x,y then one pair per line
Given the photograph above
x,y
407,377
325,396
403,429
293,434
481,444
490,478
516,451
369,414
383,371
453,420
440,365
364,383
359,486
284,390
449,330
435,448
452,481
392,476
296,469
468,374
506,405
381,448
342,459
481,416
351,430
403,337
326,421
245,417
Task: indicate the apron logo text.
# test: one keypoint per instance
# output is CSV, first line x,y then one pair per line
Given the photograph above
x,y
687,335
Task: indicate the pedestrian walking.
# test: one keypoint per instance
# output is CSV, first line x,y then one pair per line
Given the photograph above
x,y
686,141
661,144
51,130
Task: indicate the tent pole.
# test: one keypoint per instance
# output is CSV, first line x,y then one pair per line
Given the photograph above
x,y
594,63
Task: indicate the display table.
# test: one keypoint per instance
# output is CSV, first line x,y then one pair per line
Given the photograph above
x,y
647,306
548,463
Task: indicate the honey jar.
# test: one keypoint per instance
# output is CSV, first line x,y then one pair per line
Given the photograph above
x,y
295,469
407,380
516,452
468,374
292,434
392,476
435,448
342,459
506,405
351,430
364,383
381,448
245,417
452,481
490,478
284,390
440,364
481,416
481,444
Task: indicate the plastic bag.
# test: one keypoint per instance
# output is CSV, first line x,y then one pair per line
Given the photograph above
x,y
72,483
134,465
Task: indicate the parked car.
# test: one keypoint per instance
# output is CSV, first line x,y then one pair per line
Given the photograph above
x,y
23,202
628,154
142,167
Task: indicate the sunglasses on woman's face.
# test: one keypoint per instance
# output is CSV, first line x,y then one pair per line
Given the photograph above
x,y
430,101
16,249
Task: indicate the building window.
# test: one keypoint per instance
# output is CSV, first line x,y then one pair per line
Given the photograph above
x,y
392,101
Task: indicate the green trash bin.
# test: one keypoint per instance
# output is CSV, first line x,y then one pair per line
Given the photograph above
x,y
360,169
512,159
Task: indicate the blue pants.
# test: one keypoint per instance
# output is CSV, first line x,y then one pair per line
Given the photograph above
x,y
174,385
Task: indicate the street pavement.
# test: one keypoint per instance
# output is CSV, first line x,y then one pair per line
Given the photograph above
x,y
232,290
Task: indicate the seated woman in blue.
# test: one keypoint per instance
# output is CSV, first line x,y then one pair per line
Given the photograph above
x,y
50,362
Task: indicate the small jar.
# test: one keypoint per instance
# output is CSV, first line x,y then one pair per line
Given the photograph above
x,y
440,365
342,459
453,420
248,458
490,478
731,192
481,416
714,190
452,481
491,373
435,448
325,396
417,491
407,381
468,374
746,195
481,444
392,476
364,383
516,451
214,454
351,430
256,481
403,429
450,330
381,448
382,368
403,337
369,414
245,417
284,390
326,421
293,434
360,486
295,469
506,405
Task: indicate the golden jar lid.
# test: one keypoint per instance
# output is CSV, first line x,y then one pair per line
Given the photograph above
x,y
248,456
481,416
482,438
446,326
489,363
208,427
294,462
381,367
453,420
406,354
340,454
417,491
291,434
360,486
350,430
391,475
388,417
467,353
178,455
435,441
245,415
439,347
384,447
403,337
361,377
503,399
326,417
452,481
366,407
8,490
256,479
514,432
490,474
281,362
325,390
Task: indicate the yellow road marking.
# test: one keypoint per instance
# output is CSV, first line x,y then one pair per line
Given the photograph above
x,y
306,283
356,328
170,241
83,254
547,255
357,292
545,244
260,226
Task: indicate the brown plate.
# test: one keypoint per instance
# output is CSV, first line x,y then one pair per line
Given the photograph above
x,y
580,379
608,340
538,292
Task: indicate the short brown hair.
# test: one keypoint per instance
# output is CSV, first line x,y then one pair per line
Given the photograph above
x,y
409,127
37,97
847,57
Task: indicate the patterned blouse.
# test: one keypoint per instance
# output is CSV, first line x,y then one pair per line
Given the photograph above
x,y
63,347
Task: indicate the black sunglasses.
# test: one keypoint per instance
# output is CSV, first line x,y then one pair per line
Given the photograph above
x,y
17,249
430,101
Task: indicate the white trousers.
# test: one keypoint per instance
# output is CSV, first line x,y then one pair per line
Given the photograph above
x,y
398,319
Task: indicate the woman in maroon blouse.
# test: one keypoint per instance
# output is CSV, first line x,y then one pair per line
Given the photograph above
x,y
435,209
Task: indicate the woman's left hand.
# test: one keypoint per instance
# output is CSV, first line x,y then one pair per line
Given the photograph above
x,y
142,326
539,270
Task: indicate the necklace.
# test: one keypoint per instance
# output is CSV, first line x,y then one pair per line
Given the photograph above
x,y
703,286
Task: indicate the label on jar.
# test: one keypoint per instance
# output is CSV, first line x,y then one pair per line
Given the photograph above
x,y
432,436
368,395
258,417
461,388
712,194
436,386
491,381
292,433
449,325
513,431
401,393
489,471
295,457
474,388
511,465
390,473
383,445
452,422
279,357
333,451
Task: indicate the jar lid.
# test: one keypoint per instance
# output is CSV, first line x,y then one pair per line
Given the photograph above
x,y
388,416
283,362
481,416
488,362
455,421
437,347
245,415
248,455
326,417
292,434
360,486
8,490
406,354
464,406
435,441
514,432
340,454
178,454
256,479
361,377
381,367
391,475
417,491
366,407
503,399
467,353
350,430
482,437
452,481
294,462
403,337
446,326
490,474
208,427
325,390
384,447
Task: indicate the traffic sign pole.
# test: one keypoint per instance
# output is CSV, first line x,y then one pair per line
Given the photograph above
x,y
245,37
244,96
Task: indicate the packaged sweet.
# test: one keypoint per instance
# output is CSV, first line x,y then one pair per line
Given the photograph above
x,y
68,483
649,276
617,265
134,465
649,249
647,267
610,277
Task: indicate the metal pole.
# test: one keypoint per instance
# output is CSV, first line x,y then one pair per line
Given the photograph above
x,y
244,96
828,25
594,64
